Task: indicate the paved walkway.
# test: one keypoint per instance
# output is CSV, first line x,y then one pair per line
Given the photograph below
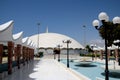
x,y
45,69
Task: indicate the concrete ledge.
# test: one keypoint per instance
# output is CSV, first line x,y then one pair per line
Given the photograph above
x,y
98,78
3,75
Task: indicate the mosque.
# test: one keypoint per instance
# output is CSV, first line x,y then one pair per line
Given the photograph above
x,y
49,41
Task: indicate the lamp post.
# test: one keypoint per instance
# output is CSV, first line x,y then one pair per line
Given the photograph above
x,y
54,53
58,52
104,19
38,37
84,35
67,41
92,46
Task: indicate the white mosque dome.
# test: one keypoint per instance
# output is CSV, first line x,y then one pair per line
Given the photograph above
x,y
51,40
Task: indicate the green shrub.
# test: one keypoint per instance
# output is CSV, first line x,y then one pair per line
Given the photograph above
x,y
40,54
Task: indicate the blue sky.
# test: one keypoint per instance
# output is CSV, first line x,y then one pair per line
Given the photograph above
x,y
61,16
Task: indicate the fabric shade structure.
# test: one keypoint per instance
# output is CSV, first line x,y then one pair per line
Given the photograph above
x,y
113,47
51,40
29,42
17,38
96,48
25,41
12,45
32,44
6,39
6,31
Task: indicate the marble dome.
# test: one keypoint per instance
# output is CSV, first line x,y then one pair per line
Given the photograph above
x,y
51,40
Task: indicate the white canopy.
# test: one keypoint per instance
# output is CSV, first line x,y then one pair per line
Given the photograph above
x,y
6,35
17,38
6,31
95,47
25,41
29,42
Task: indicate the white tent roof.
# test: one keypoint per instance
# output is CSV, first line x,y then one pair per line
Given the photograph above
x,y
95,47
6,31
32,44
113,47
17,38
29,42
47,40
98,48
6,35
25,41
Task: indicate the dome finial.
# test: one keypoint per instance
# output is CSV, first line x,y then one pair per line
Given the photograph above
x,y
47,29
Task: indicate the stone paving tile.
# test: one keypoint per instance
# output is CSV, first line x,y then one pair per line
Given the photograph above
x,y
45,69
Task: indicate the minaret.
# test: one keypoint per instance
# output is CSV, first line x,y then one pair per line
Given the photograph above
x,y
47,29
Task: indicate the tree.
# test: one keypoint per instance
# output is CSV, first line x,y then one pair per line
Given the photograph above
x,y
117,32
113,32
88,48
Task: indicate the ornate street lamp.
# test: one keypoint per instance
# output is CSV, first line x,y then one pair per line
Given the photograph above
x,y
67,41
104,19
116,20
